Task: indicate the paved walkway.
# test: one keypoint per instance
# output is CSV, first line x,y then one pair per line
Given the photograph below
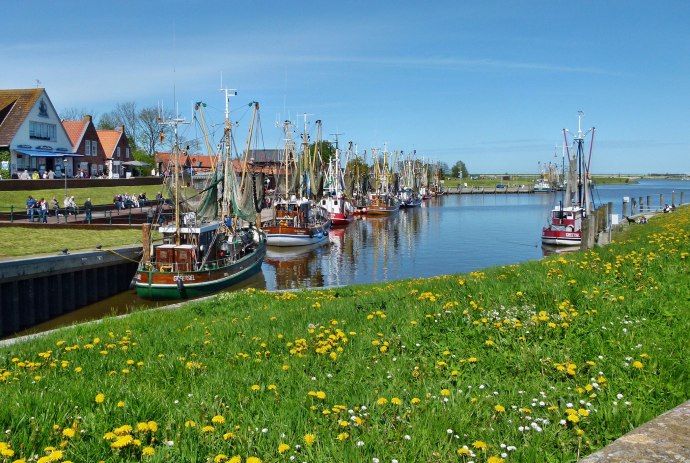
x,y
664,439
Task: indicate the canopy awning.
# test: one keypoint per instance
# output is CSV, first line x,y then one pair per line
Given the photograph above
x,y
47,153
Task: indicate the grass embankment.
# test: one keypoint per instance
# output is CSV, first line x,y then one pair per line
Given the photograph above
x,y
544,361
24,241
98,195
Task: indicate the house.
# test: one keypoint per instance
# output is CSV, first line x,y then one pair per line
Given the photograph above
x,y
32,132
85,141
116,151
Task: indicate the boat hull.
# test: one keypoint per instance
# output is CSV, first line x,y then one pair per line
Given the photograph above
x,y
561,238
338,218
160,285
295,236
381,210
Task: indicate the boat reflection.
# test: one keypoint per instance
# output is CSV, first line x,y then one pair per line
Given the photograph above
x,y
296,267
549,250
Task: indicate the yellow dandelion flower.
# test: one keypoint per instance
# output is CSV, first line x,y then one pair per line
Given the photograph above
x,y
396,401
282,448
208,429
120,404
255,387
68,433
220,458
218,419
236,458
100,398
309,439
148,451
415,401
343,436
320,395
500,408
463,451
153,426
382,401
253,460
479,445
445,392
229,435
495,459
190,424
637,364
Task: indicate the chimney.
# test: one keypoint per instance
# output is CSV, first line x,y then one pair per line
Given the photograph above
x,y
87,118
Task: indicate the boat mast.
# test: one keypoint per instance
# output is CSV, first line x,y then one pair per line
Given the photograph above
x,y
225,211
176,152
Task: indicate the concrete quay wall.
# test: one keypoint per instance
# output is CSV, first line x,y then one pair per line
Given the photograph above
x,y
36,289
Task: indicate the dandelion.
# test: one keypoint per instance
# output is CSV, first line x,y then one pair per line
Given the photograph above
x,y
382,401
148,451
500,408
255,387
282,448
100,398
208,429
445,392
68,433
309,439
343,436
218,419
396,401
637,364
479,445
253,460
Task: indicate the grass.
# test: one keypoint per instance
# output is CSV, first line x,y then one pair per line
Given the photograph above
x,y
543,361
51,240
98,195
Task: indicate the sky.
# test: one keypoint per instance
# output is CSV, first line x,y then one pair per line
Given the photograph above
x,y
490,83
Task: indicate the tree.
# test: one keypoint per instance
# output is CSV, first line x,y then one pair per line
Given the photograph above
x,y
107,122
126,115
76,114
459,169
326,150
150,129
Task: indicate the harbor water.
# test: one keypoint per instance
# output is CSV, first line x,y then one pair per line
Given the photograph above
x,y
446,235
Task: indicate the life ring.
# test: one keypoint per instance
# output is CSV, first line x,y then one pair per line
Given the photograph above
x,y
166,268
570,228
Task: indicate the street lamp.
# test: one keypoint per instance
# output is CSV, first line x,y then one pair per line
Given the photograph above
x,y
64,173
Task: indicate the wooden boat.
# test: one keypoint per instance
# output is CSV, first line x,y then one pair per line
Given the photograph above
x,y
565,223
383,204
297,221
209,248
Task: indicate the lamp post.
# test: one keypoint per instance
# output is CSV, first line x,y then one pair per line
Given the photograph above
x,y
64,173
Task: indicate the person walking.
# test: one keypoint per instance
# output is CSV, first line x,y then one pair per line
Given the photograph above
x,y
55,207
43,210
30,208
87,210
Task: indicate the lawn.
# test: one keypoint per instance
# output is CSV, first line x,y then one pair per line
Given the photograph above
x,y
98,195
543,361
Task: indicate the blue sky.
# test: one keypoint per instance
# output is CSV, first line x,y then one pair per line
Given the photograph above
x,y
491,83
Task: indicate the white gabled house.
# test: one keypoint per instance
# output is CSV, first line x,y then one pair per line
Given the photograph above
x,y
32,132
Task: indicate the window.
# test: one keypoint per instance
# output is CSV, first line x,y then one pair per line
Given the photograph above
x,y
127,153
94,148
42,131
118,151
87,147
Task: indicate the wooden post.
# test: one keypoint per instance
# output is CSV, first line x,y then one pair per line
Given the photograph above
x,y
625,208
673,197
661,201
633,203
681,197
610,209
649,203
146,242
640,204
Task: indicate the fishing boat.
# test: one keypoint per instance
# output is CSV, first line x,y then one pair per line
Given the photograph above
x,y
339,208
542,186
213,242
565,223
382,201
296,219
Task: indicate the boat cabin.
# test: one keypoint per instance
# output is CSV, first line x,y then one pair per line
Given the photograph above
x,y
567,217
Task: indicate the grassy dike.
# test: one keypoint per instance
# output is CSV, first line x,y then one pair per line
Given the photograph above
x,y
544,361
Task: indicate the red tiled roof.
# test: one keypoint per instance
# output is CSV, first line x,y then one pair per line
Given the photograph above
x,y
109,140
15,105
194,159
75,131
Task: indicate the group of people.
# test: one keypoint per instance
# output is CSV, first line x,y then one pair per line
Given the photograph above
x,y
25,175
38,209
125,201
